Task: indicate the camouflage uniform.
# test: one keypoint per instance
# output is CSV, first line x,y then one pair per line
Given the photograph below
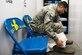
x,y
47,21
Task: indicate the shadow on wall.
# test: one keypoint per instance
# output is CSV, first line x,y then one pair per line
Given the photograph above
x,y
5,42
24,33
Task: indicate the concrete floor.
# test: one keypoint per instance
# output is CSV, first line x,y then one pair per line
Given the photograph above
x,y
78,50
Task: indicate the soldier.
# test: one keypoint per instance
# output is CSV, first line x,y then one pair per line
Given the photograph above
x,y
48,21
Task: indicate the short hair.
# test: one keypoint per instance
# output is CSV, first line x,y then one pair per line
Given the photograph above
x,y
63,3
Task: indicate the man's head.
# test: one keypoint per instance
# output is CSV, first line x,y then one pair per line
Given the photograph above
x,y
62,7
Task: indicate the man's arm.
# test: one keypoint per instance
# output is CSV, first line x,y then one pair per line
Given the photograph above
x,y
48,26
57,25
50,30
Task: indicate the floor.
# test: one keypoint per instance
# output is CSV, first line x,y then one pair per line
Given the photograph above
x,y
78,50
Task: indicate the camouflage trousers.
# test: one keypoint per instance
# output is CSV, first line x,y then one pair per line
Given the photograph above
x,y
53,27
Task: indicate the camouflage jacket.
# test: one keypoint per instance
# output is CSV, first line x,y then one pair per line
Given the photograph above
x,y
47,21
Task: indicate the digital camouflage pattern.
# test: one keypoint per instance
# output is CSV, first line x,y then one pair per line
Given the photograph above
x,y
47,21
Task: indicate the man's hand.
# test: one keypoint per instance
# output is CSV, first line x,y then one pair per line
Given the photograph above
x,y
59,42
